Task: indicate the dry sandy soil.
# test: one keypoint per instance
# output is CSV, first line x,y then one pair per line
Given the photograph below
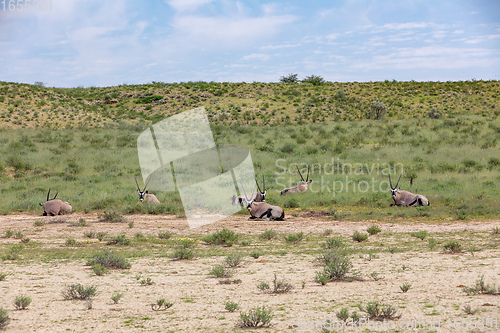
x,y
435,297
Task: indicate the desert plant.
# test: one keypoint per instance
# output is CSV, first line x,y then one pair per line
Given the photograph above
x,y
373,230
434,114
70,242
234,259
469,310
18,235
2,276
231,306
314,80
100,235
334,243
39,223
322,277
432,243
89,234
99,269
495,231
9,233
220,271
89,303
375,276
78,291
4,318
111,216
147,281
117,296
183,254
109,259
279,286
480,287
359,237
13,253
22,302
380,312
338,266
256,254
290,78
453,247
161,304
294,238
405,287
119,240
224,237
256,317
420,234
377,110
268,234
165,235
343,314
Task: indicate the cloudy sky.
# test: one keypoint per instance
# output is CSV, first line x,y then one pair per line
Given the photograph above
x,y
102,43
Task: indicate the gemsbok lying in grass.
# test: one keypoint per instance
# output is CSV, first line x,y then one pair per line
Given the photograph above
x,y
145,195
302,187
258,196
263,210
405,198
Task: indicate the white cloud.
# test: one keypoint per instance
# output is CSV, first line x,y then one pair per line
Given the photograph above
x,y
187,5
257,56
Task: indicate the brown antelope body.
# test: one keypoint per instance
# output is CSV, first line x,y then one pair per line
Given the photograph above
x,y
145,196
405,198
301,188
55,206
263,210
258,196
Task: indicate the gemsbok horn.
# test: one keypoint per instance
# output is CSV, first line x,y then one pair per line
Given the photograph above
x,y
302,187
258,196
145,195
55,206
405,198
263,210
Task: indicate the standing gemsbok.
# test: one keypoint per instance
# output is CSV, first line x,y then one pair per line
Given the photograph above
x,y
55,206
258,196
263,210
405,198
145,195
301,188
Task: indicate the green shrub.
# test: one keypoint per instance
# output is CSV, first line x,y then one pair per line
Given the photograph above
x,y
294,238
373,230
109,259
377,110
9,233
78,291
256,317
111,216
268,234
121,240
453,247
4,318
359,237
334,243
70,242
231,306
380,312
183,254
22,302
161,304
420,234
165,235
337,266
224,237
234,259
117,296
99,269
279,286
405,287
2,276
220,271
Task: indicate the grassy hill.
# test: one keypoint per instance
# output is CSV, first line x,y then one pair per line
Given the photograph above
x,y
82,143
23,105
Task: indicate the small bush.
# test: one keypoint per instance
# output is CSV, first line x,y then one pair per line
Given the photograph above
x,y
117,296
234,259
70,242
99,269
121,240
147,282
13,253
359,237
481,287
2,276
39,223
111,216
89,234
165,235
224,237
256,254
231,306
405,287
294,238
18,235
279,286
420,234
373,230
432,243
109,259
268,234
161,304
453,247
220,271
469,310
377,110
9,233
337,267
380,312
4,318
22,302
183,254
256,317
322,277
78,291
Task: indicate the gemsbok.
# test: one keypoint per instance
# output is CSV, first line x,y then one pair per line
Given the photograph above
x,y
145,195
55,206
258,196
405,198
263,210
302,187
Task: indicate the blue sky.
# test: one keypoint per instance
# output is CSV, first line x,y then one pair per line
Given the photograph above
x,y
103,43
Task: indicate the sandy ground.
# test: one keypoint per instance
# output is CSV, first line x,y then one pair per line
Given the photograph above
x,y
435,301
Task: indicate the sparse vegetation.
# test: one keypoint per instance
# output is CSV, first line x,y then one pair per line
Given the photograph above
x,y
231,306
161,304
22,302
481,287
359,237
405,287
380,312
117,296
109,259
224,237
268,234
79,292
422,234
294,238
256,317
4,318
220,271
373,230
453,247
279,286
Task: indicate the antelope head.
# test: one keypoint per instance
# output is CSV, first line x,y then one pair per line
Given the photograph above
x,y
262,192
394,189
249,201
307,181
48,195
142,194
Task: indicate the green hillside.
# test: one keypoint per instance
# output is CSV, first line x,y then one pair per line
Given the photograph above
x,y
23,105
